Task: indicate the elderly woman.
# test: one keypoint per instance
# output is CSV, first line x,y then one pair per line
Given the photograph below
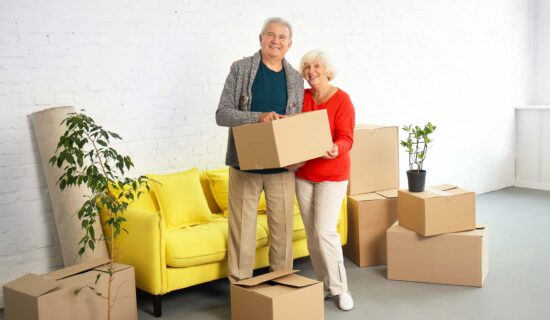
x,y
321,183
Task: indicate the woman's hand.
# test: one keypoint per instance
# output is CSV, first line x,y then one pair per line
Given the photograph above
x,y
333,153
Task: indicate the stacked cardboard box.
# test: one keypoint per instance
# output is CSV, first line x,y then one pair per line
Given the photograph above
x,y
436,239
372,193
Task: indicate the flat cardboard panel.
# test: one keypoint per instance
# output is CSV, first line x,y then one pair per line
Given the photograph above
x,y
283,142
368,219
437,212
374,159
84,306
456,258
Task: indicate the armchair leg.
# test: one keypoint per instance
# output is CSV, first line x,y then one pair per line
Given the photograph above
x,y
157,306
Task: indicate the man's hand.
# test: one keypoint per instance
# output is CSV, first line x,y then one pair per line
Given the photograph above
x,y
269,116
296,166
333,153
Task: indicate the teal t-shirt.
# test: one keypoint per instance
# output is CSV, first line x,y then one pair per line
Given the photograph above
x,y
269,93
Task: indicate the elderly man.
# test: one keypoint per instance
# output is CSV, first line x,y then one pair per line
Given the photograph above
x,y
260,88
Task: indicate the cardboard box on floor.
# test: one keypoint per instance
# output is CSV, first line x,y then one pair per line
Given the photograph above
x,y
278,295
283,142
374,159
369,216
438,210
459,258
52,295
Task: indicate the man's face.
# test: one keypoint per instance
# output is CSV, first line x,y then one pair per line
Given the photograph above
x,y
275,42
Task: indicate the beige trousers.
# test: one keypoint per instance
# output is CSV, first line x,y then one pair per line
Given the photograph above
x,y
320,204
244,194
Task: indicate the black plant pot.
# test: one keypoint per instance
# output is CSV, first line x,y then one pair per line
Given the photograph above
x,y
417,180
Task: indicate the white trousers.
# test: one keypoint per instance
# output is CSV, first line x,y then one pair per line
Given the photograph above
x,y
320,204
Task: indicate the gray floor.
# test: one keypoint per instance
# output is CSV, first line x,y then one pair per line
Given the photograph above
x,y
517,287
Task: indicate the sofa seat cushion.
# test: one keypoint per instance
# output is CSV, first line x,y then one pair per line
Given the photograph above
x,y
201,244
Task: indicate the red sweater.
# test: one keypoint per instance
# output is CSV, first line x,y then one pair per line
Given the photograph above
x,y
341,116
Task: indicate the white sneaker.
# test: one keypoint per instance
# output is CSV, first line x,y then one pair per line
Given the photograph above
x,y
345,301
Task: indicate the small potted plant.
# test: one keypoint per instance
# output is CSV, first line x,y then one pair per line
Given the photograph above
x,y
416,145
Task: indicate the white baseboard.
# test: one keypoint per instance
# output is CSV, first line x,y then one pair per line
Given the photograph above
x,y
533,185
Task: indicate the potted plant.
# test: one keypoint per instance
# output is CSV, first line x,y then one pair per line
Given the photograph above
x,y
86,157
416,145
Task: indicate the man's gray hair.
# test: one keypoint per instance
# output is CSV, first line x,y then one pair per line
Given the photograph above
x,y
278,20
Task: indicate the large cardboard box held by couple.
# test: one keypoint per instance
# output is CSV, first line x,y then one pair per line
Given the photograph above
x,y
293,139
369,216
459,258
278,295
437,210
374,159
52,295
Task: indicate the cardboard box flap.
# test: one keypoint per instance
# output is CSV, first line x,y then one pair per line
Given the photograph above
x,y
444,187
75,269
435,191
371,126
116,267
481,226
296,281
367,197
32,284
388,194
250,282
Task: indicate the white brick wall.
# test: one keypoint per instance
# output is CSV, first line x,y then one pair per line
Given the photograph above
x,y
153,71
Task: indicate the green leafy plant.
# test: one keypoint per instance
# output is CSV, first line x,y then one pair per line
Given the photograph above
x,y
417,144
86,158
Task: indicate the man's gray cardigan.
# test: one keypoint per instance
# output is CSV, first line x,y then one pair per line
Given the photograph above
x,y
236,99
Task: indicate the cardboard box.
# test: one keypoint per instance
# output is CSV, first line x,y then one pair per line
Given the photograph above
x,y
52,295
458,258
369,216
374,159
278,295
437,210
283,142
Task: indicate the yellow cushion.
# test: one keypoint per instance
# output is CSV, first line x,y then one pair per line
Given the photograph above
x,y
219,186
202,244
181,198
218,180
146,201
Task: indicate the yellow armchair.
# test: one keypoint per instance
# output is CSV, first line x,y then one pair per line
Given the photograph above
x,y
168,258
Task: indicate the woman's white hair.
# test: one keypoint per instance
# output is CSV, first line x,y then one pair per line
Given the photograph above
x,y
322,57
278,20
